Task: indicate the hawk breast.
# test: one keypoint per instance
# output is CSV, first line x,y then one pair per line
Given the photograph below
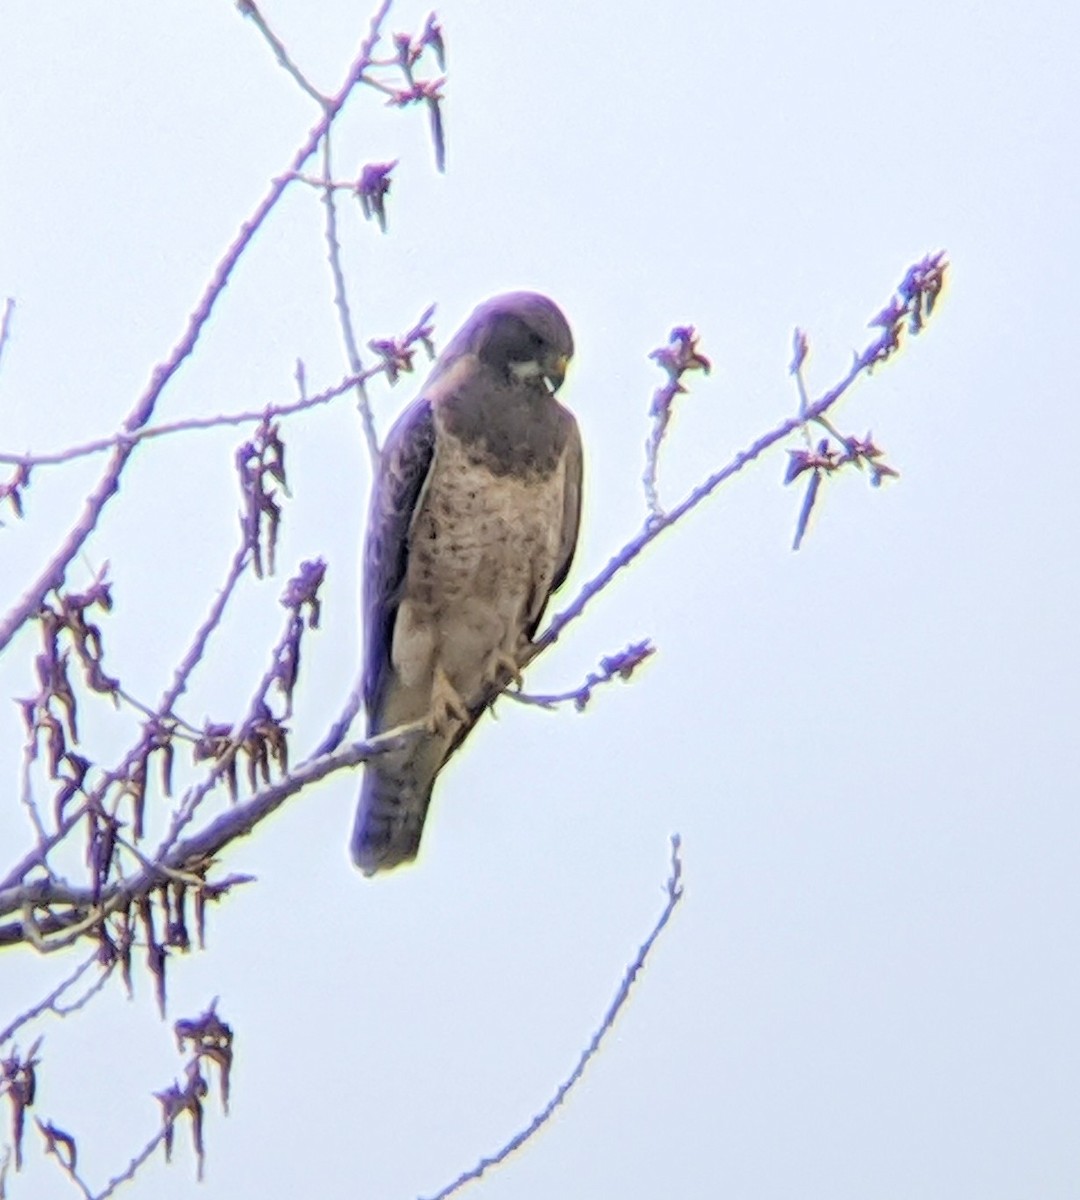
x,y
483,553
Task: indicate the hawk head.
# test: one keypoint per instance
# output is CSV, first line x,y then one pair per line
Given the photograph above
x,y
521,336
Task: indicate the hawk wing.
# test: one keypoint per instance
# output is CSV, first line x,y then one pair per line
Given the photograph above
x,y
571,519
404,468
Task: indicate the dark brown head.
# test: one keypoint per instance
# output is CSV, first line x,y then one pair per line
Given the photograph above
x,y
521,335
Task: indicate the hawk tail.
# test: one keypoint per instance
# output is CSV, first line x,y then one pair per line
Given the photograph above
x,y
394,799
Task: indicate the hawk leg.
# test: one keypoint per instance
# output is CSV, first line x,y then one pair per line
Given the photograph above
x,y
500,662
446,704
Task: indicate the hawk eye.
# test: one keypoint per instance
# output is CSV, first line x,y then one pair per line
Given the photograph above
x,y
511,340
529,347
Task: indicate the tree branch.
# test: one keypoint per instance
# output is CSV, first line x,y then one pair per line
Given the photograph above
x,y
674,890
208,842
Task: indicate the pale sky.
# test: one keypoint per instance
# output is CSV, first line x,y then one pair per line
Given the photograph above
x,y
869,747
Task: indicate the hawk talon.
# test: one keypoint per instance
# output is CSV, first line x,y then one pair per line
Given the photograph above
x,y
503,661
446,704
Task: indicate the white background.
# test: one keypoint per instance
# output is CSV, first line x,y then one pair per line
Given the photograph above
x,y
869,747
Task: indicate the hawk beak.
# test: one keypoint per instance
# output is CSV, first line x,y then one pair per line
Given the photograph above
x,y
556,372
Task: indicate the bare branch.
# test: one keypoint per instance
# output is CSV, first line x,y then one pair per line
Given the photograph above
x,y
341,302
62,1147
801,348
248,9
129,1172
237,822
674,890
5,323
679,356
335,735
190,425
49,1003
259,722
612,666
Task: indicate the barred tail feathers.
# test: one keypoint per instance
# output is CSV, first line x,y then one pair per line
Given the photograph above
x,y
394,798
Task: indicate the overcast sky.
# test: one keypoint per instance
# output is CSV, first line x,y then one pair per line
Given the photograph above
x,y
869,747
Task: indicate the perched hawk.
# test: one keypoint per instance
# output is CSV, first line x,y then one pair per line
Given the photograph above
x,y
473,522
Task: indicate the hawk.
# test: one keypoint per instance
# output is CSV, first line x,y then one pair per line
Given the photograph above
x,y
473,522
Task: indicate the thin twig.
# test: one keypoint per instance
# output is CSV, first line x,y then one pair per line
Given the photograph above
x,y
320,184
137,1161
612,666
37,856
197,649
247,7
256,711
336,733
65,1010
676,359
53,1142
26,791
49,1002
341,302
801,348
5,323
191,424
674,895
